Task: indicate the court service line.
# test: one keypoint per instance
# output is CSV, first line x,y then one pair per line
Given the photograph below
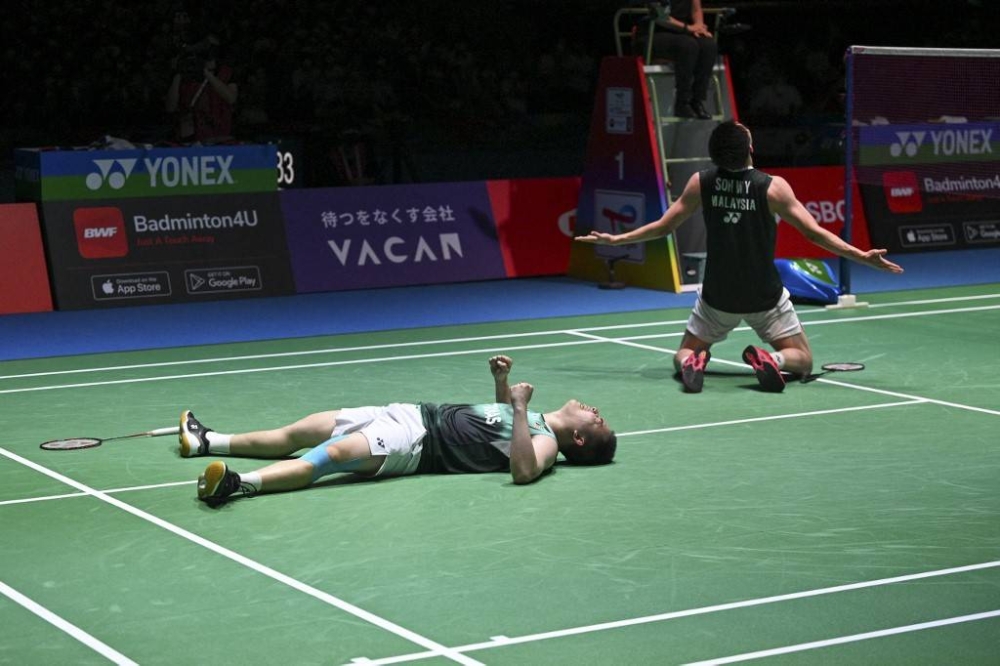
x,y
823,380
501,641
483,338
74,631
435,648
841,640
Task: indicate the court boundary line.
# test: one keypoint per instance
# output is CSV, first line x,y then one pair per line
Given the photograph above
x,y
45,498
417,343
435,648
67,627
503,641
853,638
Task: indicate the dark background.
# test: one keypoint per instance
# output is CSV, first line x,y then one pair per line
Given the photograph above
x,y
436,90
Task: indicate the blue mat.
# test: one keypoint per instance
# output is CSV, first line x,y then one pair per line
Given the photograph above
x,y
158,326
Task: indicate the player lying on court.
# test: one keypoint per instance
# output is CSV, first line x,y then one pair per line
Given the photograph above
x,y
404,438
741,282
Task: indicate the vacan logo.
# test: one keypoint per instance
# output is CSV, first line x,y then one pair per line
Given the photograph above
x,y
902,192
113,173
908,143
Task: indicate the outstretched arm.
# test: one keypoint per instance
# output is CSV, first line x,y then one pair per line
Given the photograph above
x,y
676,214
529,456
500,366
782,201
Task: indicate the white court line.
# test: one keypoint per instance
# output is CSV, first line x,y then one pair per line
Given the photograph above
x,y
841,640
76,632
419,343
691,612
153,486
435,648
740,364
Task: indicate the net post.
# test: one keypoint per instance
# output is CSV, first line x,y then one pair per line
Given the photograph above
x,y
846,299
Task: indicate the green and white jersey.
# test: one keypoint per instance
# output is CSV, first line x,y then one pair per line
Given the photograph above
x,y
471,438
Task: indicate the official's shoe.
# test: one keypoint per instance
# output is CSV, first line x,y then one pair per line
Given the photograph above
x,y
693,370
218,483
699,111
767,371
193,436
684,110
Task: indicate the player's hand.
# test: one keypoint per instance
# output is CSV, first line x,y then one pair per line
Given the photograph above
x,y
597,238
876,259
520,393
500,366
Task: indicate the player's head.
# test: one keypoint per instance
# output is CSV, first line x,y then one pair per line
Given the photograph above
x,y
593,442
730,146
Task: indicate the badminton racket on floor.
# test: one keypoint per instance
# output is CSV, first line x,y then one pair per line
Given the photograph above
x,y
834,367
72,443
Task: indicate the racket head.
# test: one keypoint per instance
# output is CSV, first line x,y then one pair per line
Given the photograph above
x,y
71,444
843,367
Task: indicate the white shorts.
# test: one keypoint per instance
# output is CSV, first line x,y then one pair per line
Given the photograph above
x,y
713,325
394,431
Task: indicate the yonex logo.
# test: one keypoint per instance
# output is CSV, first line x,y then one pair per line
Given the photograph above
x,y
112,172
731,217
907,142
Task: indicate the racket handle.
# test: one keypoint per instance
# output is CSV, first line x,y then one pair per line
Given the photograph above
x,y
163,431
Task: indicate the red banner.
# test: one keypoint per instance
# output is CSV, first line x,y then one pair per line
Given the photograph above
x,y
535,220
821,191
24,278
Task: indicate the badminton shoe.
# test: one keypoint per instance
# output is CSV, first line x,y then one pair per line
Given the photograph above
x,y
193,436
218,483
767,371
693,370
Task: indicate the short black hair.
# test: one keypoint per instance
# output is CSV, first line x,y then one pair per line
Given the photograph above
x,y
729,146
596,451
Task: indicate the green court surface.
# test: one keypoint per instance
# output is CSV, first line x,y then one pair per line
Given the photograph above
x,y
854,519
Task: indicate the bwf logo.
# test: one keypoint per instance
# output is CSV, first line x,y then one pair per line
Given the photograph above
x,y
112,172
902,192
907,142
100,233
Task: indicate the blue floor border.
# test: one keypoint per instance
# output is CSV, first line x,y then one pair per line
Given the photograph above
x,y
39,335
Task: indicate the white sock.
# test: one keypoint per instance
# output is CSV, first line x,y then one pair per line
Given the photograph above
x,y
253,480
218,443
778,357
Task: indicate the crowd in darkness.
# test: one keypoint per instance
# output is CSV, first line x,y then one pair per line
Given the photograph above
x,y
440,72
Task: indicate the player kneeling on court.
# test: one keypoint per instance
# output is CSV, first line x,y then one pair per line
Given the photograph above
x,y
404,438
741,283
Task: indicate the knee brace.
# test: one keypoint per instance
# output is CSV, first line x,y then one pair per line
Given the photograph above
x,y
323,464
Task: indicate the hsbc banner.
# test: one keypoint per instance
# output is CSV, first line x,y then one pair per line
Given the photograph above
x,y
931,186
821,191
166,250
397,235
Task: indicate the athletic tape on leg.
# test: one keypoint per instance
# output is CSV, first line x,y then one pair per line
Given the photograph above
x,y
323,464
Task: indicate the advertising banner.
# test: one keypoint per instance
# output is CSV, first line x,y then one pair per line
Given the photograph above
x,y
24,279
80,175
821,191
931,186
137,251
364,237
535,219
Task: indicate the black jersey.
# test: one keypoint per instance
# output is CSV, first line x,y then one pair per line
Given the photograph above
x,y
740,275
471,438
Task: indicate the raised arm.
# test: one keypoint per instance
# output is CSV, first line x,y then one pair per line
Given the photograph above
x,y
500,366
782,201
529,456
676,214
